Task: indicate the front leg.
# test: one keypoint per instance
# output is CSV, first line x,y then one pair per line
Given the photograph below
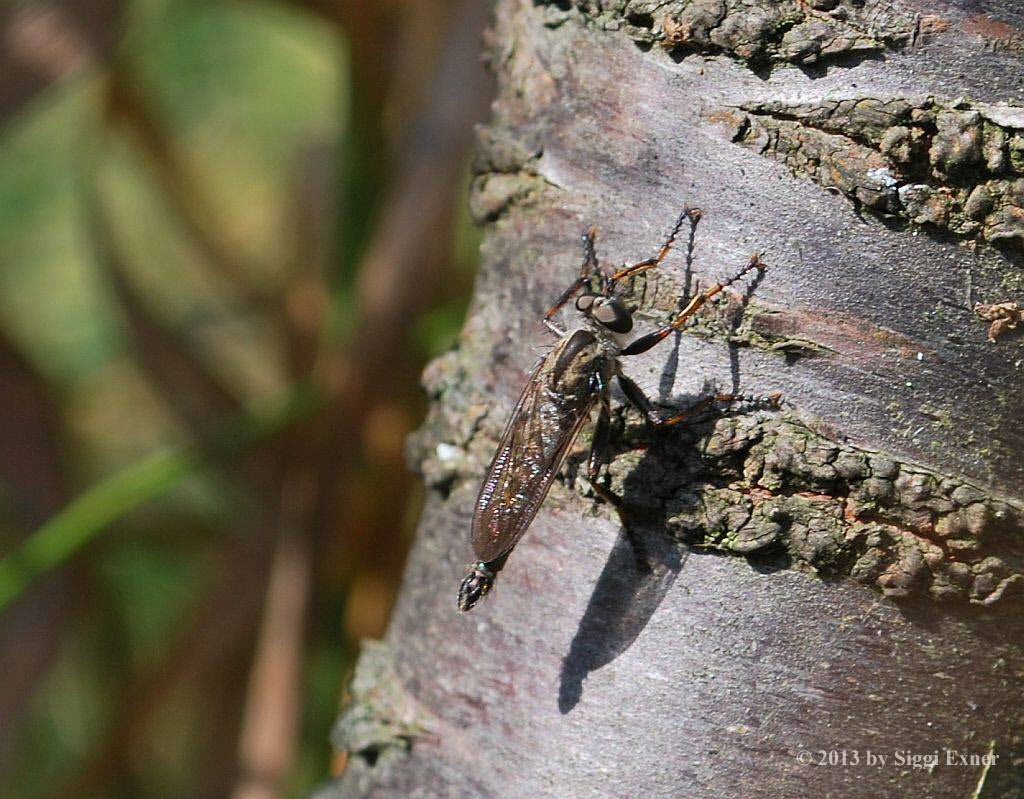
x,y
590,268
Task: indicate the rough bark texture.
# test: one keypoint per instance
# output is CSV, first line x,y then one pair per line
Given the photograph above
x,y
840,576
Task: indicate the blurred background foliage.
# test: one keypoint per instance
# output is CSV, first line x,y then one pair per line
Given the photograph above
x,y
231,234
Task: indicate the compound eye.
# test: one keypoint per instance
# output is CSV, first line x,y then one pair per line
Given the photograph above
x,y
585,302
613,315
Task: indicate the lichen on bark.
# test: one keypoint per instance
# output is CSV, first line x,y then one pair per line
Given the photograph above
x,y
947,165
755,485
760,33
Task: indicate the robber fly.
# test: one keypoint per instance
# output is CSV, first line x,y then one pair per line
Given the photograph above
x,y
558,399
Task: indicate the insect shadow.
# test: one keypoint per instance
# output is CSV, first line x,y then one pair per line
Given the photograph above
x,y
623,601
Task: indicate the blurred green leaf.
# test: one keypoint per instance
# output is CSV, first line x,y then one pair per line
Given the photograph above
x,y
95,509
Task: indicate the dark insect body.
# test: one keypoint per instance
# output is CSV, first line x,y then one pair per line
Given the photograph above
x,y
559,398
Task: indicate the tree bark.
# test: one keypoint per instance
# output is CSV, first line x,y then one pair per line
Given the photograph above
x,y
835,598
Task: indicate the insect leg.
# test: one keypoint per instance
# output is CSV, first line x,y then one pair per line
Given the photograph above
x,y
644,343
692,214
588,269
639,400
598,458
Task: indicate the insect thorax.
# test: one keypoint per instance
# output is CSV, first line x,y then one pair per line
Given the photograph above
x,y
577,360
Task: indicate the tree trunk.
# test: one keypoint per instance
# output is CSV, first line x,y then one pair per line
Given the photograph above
x,y
835,598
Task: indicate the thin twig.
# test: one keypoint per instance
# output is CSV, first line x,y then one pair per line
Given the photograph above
x,y
270,720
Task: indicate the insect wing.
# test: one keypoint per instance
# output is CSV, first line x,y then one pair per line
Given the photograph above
x,y
543,426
